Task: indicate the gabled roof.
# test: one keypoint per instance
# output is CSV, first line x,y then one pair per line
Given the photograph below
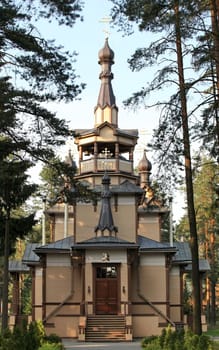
x,y
105,242
203,266
126,187
183,254
131,133
18,266
60,246
29,254
184,257
149,245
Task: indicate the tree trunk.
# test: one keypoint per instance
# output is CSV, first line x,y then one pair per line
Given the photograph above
x,y
189,182
215,31
5,274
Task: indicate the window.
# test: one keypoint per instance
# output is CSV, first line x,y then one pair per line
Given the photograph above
x,y
106,272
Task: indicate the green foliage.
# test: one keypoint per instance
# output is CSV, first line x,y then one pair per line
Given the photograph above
x,y
151,344
49,346
30,337
53,338
35,70
177,340
59,183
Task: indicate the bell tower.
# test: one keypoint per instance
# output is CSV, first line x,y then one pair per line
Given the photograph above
x,y
106,146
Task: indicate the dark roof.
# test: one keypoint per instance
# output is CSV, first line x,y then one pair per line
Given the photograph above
x,y
105,242
59,246
17,266
29,254
149,245
126,187
133,133
183,254
203,266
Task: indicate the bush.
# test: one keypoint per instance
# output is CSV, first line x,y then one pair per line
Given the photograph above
x,y
51,346
52,338
30,337
177,340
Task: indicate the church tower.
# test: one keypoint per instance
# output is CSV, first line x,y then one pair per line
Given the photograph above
x,y
105,146
107,149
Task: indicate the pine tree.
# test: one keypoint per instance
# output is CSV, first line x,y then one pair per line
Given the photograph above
x,y
176,21
14,191
35,71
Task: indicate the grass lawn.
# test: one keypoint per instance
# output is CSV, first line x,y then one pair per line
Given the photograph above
x,y
216,346
213,332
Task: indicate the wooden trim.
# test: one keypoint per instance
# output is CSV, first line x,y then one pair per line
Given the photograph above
x,y
44,290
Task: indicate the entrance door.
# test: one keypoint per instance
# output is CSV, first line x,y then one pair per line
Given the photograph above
x,y
106,289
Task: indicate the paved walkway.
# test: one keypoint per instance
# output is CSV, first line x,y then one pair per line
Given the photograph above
x,y
70,344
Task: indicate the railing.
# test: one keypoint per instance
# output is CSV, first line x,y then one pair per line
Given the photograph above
x,y
100,164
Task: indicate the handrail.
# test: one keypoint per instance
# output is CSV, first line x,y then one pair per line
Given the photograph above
x,y
53,312
156,309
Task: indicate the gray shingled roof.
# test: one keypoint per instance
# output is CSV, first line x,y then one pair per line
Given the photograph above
x,y
17,266
203,266
126,187
183,254
59,246
29,254
149,245
128,132
105,242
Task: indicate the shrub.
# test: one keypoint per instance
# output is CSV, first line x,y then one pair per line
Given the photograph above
x,y
51,346
177,340
52,338
151,343
30,337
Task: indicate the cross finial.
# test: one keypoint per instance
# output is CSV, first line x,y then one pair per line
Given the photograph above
x,y
107,21
106,154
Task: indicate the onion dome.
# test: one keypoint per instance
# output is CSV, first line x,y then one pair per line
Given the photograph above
x,y
106,54
144,169
144,164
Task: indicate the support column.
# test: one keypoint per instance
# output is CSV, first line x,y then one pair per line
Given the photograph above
x,y
117,156
80,153
131,156
66,219
15,293
95,156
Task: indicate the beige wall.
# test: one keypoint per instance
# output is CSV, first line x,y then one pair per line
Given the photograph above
x,y
65,327
38,289
124,218
145,326
86,221
63,285
149,226
175,294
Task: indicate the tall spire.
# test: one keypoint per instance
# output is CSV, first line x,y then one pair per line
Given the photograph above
x,y
106,109
106,218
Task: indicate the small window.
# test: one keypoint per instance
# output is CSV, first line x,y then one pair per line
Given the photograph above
x,y
106,272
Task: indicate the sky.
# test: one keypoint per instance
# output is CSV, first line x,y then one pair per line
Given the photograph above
x,y
87,38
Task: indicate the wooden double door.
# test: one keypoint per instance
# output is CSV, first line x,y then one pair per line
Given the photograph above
x,y
106,289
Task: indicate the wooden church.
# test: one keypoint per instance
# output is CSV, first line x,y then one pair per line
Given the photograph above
x,y
107,275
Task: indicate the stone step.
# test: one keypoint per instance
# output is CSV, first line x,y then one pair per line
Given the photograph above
x,y
105,328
